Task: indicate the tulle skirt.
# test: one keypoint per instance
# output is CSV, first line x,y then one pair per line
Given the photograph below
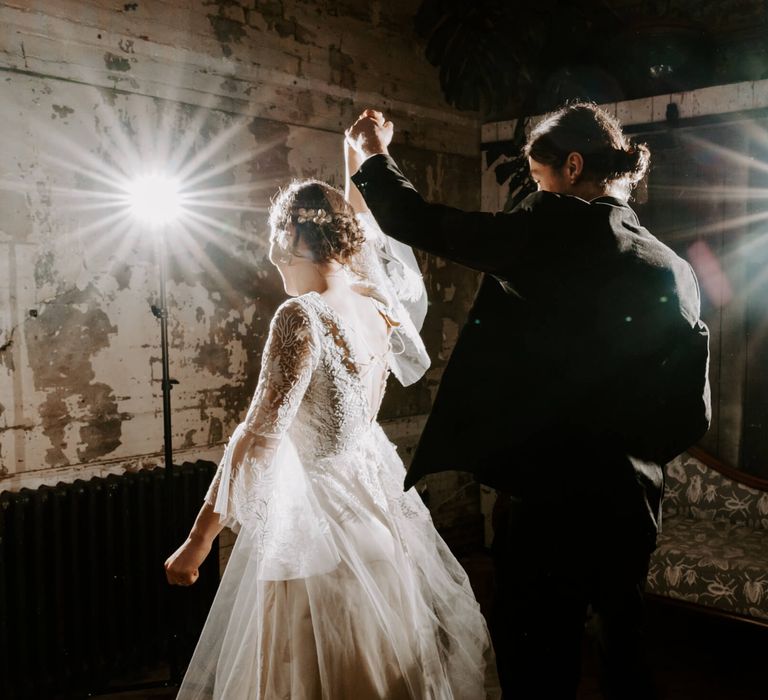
x,y
393,616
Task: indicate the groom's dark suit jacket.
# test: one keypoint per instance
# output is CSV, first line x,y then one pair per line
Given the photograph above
x,y
582,367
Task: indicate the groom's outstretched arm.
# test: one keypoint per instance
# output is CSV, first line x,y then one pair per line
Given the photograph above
x,y
487,242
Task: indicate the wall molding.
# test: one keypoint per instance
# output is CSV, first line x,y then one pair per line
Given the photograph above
x,y
704,102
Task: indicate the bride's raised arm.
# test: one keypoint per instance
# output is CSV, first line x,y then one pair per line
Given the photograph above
x,y
352,162
392,274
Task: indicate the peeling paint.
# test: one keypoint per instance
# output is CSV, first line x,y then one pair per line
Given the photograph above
x,y
101,433
305,101
116,63
273,13
55,417
16,221
215,431
189,439
122,274
435,178
360,11
343,105
109,95
341,68
44,269
450,335
214,358
129,82
232,400
273,162
229,85
61,111
3,468
226,30
60,342
6,354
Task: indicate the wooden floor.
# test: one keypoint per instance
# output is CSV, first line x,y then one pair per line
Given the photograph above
x,y
697,657
694,657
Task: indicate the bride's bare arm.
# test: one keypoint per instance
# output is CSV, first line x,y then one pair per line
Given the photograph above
x,y
352,162
182,567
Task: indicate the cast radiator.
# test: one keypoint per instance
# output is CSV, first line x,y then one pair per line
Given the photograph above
x,y
83,596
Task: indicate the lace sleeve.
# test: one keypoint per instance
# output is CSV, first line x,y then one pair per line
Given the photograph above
x,y
286,367
290,356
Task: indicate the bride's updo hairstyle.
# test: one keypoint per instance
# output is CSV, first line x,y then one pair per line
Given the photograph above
x,y
610,158
313,212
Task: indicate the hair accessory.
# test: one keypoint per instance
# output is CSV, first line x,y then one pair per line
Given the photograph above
x,y
317,216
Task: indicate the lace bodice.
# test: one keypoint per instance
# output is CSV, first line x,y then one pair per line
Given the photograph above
x,y
310,388
310,382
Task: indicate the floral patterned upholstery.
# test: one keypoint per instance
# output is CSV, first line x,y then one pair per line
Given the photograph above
x,y
713,545
694,490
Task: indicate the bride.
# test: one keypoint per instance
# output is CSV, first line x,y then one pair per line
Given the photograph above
x,y
338,586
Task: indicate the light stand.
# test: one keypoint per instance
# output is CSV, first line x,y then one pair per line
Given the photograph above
x,y
161,312
155,200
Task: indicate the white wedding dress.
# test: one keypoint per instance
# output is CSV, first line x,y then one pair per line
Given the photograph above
x,y
338,586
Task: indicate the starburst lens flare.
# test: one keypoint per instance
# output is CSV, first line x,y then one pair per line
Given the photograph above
x,y
155,199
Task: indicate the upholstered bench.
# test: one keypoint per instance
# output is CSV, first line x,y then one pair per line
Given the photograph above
x,y
713,545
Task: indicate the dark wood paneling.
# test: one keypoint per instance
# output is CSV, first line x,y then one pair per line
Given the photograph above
x,y
706,199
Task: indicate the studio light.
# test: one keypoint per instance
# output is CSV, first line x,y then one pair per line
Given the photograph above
x,y
155,199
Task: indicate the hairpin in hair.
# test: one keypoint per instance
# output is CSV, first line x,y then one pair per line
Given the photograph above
x,y
317,216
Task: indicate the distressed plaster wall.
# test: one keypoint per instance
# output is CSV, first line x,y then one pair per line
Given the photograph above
x,y
256,92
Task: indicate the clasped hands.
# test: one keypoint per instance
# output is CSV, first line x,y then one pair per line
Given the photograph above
x,y
369,135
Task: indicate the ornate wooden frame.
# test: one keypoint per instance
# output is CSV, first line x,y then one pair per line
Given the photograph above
x,y
728,471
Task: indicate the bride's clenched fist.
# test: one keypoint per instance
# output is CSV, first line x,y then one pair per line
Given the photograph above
x,y
182,567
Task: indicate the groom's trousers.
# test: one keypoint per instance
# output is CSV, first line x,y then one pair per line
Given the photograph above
x,y
551,565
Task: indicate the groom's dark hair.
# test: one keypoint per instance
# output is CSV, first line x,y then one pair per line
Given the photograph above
x,y
583,127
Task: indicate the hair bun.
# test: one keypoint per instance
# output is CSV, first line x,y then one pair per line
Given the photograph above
x,y
320,217
583,127
632,161
624,159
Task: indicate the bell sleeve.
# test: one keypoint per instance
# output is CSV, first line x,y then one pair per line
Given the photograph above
x,y
241,487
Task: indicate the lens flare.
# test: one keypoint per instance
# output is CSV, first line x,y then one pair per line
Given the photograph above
x,y
155,199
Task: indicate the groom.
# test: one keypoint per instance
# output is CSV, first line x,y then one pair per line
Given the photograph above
x,y
525,406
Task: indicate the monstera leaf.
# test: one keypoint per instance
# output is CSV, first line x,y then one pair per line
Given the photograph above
x,y
471,42
514,171
495,55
